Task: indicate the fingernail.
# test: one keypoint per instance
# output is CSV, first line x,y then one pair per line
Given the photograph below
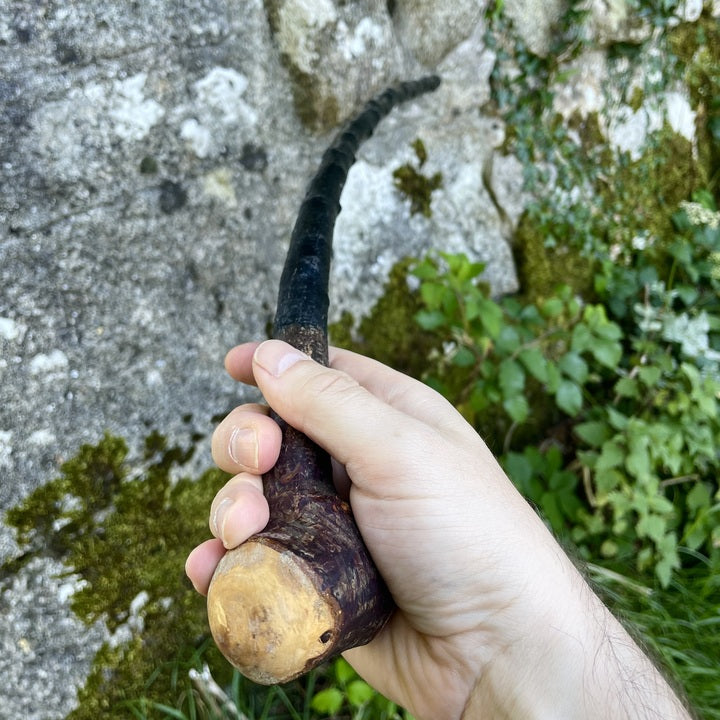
x,y
276,358
218,518
243,443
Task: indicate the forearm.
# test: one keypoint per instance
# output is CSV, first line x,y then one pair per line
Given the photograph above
x,y
582,667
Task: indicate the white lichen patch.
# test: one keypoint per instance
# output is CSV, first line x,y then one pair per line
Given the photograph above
x,y
42,437
366,34
299,22
48,363
220,93
197,137
68,588
582,90
218,184
680,115
135,623
628,129
133,113
5,448
11,330
689,10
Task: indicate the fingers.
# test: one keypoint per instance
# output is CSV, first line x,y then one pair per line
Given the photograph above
x,y
400,391
201,564
239,510
247,440
331,407
238,362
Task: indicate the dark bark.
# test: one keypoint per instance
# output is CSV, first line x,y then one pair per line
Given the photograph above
x,y
305,588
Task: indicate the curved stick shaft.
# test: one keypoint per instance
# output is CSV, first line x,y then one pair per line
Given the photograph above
x,y
305,588
303,295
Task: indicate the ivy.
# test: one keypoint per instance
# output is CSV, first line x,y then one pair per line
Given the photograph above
x,y
607,419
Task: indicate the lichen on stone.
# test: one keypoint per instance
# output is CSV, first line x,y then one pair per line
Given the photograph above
x,y
416,186
123,529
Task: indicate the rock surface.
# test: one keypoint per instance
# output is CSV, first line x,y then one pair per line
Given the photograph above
x,y
153,158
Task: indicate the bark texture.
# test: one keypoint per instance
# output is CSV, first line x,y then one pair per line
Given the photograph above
x,y
305,588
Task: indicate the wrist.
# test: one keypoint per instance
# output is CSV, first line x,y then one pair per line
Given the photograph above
x,y
578,663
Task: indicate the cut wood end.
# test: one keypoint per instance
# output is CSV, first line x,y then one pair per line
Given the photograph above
x,y
266,615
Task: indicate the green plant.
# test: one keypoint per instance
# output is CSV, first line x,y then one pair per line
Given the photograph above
x,y
625,401
346,692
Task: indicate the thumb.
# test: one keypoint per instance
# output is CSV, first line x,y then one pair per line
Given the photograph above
x,y
330,406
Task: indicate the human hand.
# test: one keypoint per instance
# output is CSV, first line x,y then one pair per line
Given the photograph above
x,y
492,615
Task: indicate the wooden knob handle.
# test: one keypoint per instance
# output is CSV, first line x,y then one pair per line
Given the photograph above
x,y
305,588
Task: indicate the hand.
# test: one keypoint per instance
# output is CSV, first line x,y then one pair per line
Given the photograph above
x,y
493,618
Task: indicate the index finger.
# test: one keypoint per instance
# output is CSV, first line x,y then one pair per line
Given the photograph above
x,y
398,390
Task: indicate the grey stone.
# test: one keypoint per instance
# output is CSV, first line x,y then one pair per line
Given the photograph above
x,y
153,161
430,29
535,21
337,53
613,21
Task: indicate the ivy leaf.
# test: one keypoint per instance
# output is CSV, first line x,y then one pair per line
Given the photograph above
x,y
574,367
553,377
637,461
433,294
607,352
698,497
519,469
627,387
582,338
535,363
594,432
649,374
552,307
430,320
328,701
612,454
344,672
511,377
551,510
569,397
463,358
359,693
425,270
616,419
491,316
651,526
508,341
517,408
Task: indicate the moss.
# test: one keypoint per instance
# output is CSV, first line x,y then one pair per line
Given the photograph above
x,y
148,165
697,47
124,531
389,333
542,267
636,99
318,111
640,196
416,186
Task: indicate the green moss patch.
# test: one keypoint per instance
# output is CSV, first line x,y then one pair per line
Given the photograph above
x,y
125,530
418,188
389,333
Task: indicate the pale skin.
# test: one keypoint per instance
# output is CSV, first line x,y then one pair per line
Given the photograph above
x,y
493,619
